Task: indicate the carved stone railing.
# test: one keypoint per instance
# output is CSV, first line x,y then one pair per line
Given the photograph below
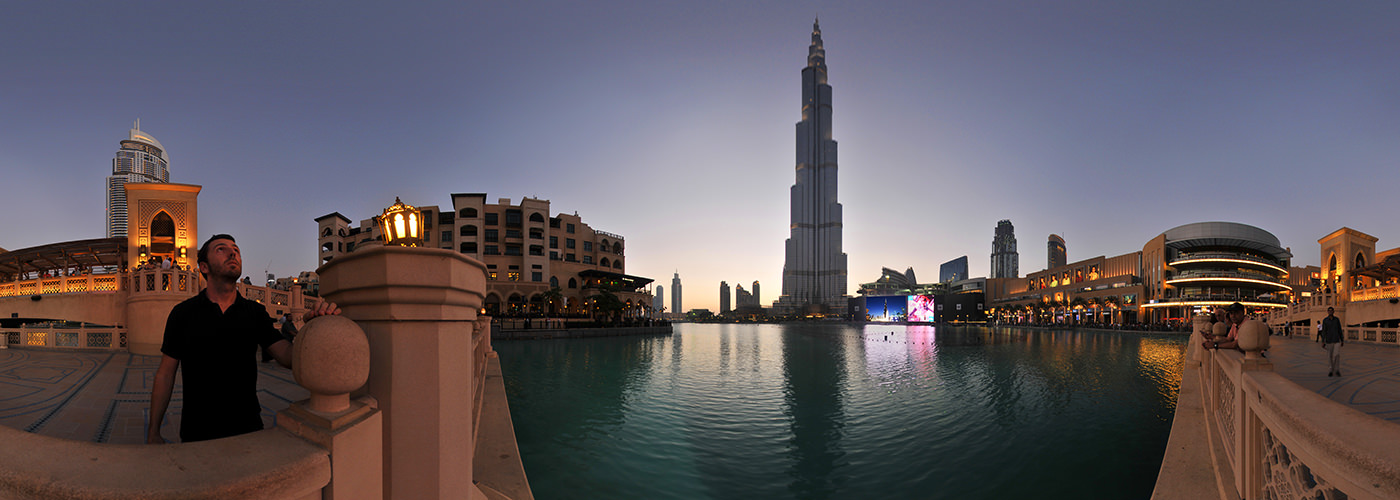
x,y
168,281
1378,293
1268,437
109,338
88,283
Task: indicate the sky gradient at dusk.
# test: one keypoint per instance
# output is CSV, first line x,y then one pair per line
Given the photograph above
x,y
672,123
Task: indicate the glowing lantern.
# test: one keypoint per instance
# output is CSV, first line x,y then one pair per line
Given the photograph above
x,y
402,225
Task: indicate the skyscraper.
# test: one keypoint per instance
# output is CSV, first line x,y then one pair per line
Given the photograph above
x,y
676,293
814,272
1006,262
140,159
658,301
1055,252
723,297
953,270
756,298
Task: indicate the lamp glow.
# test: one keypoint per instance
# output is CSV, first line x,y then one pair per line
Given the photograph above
x,y
402,225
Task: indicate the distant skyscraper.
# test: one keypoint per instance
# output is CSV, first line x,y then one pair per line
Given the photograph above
x,y
756,298
1055,252
723,297
676,293
953,270
742,298
1006,262
814,272
140,159
658,301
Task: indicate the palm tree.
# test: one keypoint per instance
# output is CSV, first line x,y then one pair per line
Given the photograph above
x,y
551,300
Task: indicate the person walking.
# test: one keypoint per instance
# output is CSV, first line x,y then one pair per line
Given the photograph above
x,y
1332,342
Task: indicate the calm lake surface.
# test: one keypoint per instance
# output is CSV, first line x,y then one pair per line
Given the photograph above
x,y
825,411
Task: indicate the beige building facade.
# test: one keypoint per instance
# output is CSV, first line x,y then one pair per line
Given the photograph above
x,y
536,264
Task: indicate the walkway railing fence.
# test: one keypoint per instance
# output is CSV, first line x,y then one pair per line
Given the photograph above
x,y
60,337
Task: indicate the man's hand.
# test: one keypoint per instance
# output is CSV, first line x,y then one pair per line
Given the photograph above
x,y
322,309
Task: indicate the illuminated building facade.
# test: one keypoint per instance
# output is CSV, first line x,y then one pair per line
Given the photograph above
x,y
1006,262
814,269
953,270
141,159
1055,252
1192,267
528,254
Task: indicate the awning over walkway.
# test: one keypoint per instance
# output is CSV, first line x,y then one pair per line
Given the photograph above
x,y
1382,271
82,253
616,281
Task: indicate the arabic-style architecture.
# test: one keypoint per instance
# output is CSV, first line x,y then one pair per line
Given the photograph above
x,y
814,272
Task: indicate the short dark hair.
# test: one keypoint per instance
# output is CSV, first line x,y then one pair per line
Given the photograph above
x,y
204,249
1236,307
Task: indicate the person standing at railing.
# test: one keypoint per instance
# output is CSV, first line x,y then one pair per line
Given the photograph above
x,y
1332,342
214,336
1234,315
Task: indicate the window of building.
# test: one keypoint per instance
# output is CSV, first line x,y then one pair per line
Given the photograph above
x,y
469,247
447,218
491,218
512,249
554,282
427,219
537,276
513,233
467,213
604,262
573,283
513,275
326,232
553,255
553,242
446,236
536,266
570,258
536,250
467,230
536,217
350,247
491,276
554,222
536,233
569,243
617,264
588,259
569,228
492,250
588,246
493,235
513,217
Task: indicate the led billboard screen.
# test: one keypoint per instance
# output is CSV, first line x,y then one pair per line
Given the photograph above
x,y
886,309
921,309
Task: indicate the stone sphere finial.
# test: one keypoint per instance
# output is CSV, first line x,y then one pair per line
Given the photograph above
x,y
1200,325
332,359
1221,330
1253,338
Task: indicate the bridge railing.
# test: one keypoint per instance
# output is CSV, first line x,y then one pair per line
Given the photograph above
x,y
58,337
1281,440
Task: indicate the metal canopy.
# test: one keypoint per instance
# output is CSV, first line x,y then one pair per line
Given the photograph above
x,y
98,252
1383,270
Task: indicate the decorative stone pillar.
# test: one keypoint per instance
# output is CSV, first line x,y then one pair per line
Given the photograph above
x,y
417,307
331,359
1253,338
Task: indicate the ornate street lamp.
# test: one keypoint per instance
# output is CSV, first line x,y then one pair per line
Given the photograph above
x,y
402,225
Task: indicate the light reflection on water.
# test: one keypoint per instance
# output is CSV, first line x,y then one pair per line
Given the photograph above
x,y
819,411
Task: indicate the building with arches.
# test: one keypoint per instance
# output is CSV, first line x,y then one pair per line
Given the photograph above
x,y
536,264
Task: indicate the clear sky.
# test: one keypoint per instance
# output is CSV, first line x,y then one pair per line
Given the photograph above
x,y
672,123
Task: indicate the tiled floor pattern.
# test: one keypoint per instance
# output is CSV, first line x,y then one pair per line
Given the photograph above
x,y
1370,380
106,397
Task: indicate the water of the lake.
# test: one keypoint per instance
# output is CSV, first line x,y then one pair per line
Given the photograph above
x,y
825,411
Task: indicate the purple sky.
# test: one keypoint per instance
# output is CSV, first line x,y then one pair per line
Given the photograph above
x,y
672,123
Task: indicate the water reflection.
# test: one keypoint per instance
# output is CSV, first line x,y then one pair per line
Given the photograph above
x,y
816,411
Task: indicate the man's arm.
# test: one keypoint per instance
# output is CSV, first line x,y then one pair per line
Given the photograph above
x,y
161,388
282,352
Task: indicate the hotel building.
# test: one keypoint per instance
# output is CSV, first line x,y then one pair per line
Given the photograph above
x,y
527,254
141,159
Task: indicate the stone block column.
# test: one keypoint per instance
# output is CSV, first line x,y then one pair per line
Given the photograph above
x,y
417,307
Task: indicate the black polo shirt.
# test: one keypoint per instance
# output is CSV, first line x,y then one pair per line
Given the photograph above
x,y
217,351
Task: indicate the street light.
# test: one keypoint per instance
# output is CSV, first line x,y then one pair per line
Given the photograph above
x,y
402,224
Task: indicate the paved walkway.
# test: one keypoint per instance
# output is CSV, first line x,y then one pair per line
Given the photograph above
x,y
1371,373
105,397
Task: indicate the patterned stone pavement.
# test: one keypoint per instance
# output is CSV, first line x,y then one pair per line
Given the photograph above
x,y
105,397
1370,380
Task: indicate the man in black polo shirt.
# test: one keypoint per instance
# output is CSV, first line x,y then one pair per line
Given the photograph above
x,y
215,336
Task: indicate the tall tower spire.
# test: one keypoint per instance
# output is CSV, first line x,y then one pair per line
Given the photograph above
x,y
814,272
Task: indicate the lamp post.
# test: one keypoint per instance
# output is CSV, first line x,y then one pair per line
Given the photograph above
x,y
402,225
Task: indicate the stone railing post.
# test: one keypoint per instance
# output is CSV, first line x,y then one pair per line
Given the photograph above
x,y
332,359
418,307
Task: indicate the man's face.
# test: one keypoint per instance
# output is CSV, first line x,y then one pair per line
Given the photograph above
x,y
1236,317
225,260
1329,311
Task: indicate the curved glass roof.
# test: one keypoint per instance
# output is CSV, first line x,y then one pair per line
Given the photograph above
x,y
1226,234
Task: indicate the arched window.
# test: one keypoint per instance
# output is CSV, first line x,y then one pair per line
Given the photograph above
x,y
604,262
162,234
326,232
467,212
328,247
468,230
536,217
573,283
617,264
554,282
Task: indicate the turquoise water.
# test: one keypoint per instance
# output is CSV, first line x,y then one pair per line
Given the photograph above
x,y
826,411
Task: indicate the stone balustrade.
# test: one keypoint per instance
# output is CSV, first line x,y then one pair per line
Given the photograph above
x,y
1243,431
50,337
